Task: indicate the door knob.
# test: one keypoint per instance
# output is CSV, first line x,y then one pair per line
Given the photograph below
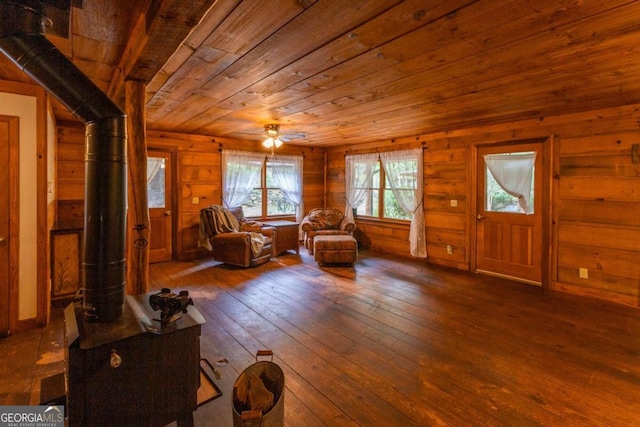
x,y
167,213
480,216
3,240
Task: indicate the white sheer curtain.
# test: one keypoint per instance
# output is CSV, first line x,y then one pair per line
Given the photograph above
x,y
287,175
358,171
240,175
153,166
403,170
514,174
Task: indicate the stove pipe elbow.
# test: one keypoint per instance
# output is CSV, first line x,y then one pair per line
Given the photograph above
x,y
22,40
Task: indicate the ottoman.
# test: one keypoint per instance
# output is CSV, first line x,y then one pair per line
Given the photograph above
x,y
338,249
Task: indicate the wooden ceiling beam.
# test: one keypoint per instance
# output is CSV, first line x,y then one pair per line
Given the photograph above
x,y
156,34
348,72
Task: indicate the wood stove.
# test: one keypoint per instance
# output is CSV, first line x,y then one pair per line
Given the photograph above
x,y
137,371
123,367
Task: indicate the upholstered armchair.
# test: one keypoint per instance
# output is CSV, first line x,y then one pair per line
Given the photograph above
x,y
325,222
232,239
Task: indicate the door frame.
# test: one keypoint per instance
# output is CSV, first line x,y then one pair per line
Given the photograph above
x,y
172,197
9,307
547,213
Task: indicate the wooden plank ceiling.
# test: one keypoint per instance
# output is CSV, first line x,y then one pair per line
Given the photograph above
x,y
334,72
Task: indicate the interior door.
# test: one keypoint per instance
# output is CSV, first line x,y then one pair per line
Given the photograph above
x,y
159,166
509,241
5,207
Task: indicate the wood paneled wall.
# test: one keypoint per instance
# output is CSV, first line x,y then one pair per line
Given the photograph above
x,y
595,194
595,207
196,168
598,215
70,182
445,178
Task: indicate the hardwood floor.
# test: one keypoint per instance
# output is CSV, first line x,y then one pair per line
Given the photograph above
x,y
394,342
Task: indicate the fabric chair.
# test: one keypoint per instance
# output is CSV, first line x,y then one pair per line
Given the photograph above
x,y
325,222
232,239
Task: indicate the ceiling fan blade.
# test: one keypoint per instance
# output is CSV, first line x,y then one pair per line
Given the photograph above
x,y
291,136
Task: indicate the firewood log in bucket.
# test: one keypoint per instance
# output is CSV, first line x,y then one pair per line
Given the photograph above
x,y
258,394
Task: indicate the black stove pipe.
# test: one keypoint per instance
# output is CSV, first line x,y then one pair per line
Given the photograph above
x,y
22,39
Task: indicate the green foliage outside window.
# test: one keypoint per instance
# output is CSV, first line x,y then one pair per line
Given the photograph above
x,y
276,203
391,208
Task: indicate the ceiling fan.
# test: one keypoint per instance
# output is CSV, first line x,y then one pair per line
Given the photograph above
x,y
272,132
274,139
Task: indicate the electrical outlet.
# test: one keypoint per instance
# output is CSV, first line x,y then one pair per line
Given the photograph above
x,y
454,203
195,200
583,273
449,249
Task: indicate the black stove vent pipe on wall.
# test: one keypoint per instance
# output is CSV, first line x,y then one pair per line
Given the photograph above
x,y
22,39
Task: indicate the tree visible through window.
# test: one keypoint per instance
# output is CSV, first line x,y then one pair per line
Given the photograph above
x,y
509,181
379,201
268,199
388,186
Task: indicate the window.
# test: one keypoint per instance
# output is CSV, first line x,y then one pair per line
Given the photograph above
x,y
156,182
388,186
264,187
498,200
509,182
379,201
269,199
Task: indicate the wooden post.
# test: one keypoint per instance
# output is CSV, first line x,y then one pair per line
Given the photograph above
x,y
138,213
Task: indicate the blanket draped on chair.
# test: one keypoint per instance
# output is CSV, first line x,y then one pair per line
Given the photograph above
x,y
217,219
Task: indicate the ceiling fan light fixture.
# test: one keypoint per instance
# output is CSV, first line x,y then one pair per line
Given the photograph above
x,y
272,142
268,143
271,132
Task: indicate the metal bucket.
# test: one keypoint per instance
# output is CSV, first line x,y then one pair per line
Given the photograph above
x,y
273,380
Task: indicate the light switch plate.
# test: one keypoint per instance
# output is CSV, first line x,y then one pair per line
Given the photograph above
x,y
584,273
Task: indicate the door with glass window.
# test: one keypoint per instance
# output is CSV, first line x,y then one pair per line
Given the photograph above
x,y
160,207
509,211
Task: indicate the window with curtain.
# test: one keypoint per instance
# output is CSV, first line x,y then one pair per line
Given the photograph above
x,y
156,182
264,187
359,189
379,200
388,186
241,173
404,178
284,174
509,182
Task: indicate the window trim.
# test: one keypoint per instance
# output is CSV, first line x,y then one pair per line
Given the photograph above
x,y
381,189
264,190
